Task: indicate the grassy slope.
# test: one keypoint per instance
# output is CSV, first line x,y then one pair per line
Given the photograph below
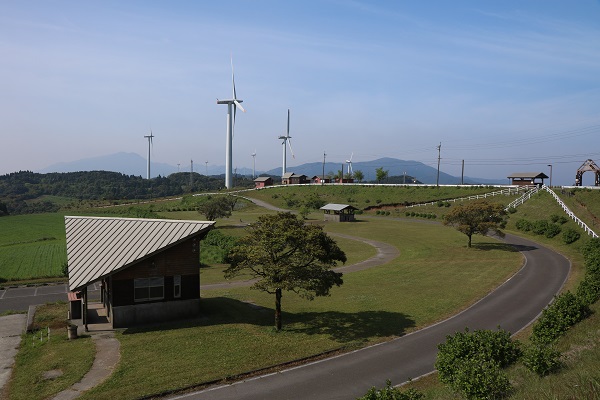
x,y
361,197
580,378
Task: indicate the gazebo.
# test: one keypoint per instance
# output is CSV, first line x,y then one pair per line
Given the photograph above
x,y
338,212
527,178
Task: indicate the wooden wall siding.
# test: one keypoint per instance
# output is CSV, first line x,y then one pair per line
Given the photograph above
x,y
123,290
178,260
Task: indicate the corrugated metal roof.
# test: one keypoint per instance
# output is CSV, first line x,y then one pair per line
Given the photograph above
x,y
528,175
98,246
262,179
335,207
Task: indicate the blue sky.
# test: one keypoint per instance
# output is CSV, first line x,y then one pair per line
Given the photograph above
x,y
507,86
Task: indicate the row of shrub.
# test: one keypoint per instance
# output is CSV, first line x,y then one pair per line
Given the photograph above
x,y
420,215
472,363
549,229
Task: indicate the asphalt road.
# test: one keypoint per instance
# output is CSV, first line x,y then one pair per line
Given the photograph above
x,y
20,298
512,306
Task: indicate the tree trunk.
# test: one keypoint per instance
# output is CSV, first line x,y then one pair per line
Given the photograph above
x,y
278,309
469,245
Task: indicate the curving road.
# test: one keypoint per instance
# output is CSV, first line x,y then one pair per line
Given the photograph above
x,y
512,306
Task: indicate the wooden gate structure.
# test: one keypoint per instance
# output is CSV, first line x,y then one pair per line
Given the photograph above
x,y
588,165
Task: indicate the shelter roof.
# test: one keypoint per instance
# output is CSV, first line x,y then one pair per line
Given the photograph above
x,y
262,179
528,175
337,207
99,246
288,175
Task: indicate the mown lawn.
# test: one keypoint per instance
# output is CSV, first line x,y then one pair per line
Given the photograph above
x,y
435,276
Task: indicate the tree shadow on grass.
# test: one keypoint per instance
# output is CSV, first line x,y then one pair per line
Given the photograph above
x,y
350,327
341,327
488,246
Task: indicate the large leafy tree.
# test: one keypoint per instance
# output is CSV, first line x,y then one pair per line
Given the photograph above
x,y
216,207
477,217
359,176
285,254
380,174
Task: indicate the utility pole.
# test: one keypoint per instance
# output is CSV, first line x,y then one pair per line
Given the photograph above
x,y
462,175
323,176
439,149
191,174
550,165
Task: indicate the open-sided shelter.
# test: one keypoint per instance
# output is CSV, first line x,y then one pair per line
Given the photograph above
x,y
338,212
527,178
149,269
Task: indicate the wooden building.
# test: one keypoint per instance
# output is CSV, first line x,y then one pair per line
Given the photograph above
x,y
149,269
290,178
527,178
318,179
338,212
263,181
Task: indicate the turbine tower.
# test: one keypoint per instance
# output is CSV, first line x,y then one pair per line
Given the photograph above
x,y
349,162
232,106
285,139
149,137
254,164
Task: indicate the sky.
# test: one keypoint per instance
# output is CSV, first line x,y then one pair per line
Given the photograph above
x,y
506,86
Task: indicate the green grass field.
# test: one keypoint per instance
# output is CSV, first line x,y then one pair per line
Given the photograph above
x,y
32,246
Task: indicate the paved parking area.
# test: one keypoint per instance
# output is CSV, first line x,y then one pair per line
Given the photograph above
x,y
20,298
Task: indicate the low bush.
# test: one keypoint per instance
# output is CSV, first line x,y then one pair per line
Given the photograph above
x,y
523,225
539,227
479,378
566,310
492,351
552,230
570,235
541,359
391,393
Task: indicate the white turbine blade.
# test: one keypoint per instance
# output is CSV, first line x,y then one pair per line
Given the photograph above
x,y
233,78
290,145
288,125
351,155
237,104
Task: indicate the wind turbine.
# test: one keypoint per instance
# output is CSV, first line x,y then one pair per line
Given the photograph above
x,y
232,106
149,137
285,139
349,162
254,164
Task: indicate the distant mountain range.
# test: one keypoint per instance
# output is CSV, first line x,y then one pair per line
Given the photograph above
x,y
134,164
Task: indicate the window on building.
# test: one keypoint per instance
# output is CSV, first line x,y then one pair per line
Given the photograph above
x,y
177,286
146,289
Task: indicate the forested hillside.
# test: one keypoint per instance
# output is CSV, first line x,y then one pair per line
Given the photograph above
x,y
26,192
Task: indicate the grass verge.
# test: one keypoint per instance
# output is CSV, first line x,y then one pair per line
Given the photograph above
x,y
72,359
